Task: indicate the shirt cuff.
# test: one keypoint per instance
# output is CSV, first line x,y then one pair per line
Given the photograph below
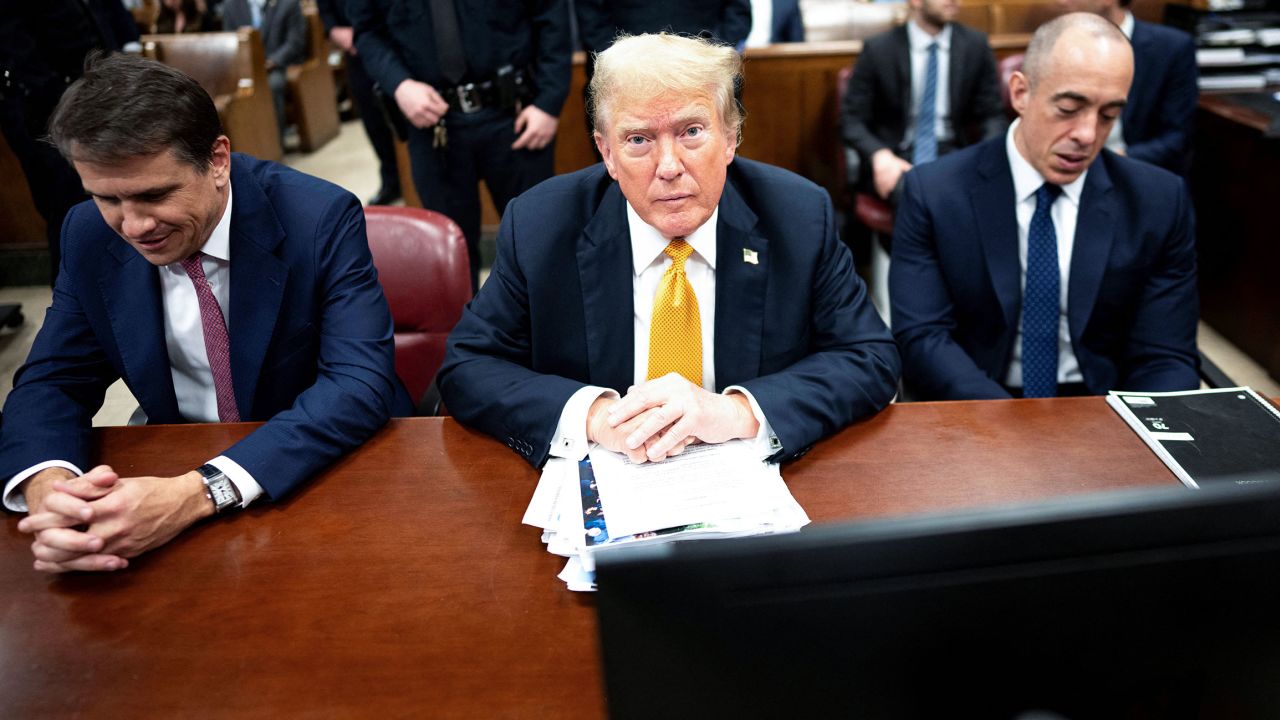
x,y
14,499
244,482
570,438
766,442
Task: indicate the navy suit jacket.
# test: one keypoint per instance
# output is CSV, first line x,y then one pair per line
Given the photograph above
x,y
1162,101
311,336
795,327
956,281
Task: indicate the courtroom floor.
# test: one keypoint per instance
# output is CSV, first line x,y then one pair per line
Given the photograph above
x,y
348,161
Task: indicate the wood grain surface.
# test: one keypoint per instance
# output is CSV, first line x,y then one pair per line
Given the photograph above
x,y
400,583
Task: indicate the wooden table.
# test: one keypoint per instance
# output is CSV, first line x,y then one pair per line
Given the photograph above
x,y
401,583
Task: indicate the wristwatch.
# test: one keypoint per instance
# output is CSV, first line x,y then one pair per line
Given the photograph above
x,y
219,489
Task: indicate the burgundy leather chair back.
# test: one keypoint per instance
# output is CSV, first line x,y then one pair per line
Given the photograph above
x,y
868,208
421,258
1007,68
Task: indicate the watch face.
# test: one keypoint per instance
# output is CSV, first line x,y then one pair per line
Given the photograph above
x,y
222,492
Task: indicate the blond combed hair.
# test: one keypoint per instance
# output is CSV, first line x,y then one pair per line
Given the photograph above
x,y
640,68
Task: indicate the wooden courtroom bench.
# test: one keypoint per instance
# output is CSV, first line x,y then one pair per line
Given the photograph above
x,y
231,66
21,226
312,103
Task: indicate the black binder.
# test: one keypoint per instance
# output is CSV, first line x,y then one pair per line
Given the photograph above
x,y
1225,435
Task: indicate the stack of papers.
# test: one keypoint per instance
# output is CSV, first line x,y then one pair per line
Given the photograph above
x,y
606,501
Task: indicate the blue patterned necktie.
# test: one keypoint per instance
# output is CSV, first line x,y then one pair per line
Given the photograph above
x,y
926,145
1041,300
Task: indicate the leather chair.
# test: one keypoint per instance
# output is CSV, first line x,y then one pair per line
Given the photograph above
x,y
870,210
422,264
312,103
1007,68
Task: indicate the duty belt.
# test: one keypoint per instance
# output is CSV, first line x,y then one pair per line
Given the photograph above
x,y
502,91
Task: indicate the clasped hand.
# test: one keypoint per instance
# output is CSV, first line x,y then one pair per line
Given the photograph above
x,y
662,417
98,520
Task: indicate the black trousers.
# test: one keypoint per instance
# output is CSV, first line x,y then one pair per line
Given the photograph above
x,y
478,148
375,122
55,186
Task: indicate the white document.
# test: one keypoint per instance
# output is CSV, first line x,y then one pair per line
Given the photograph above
x,y
542,507
706,483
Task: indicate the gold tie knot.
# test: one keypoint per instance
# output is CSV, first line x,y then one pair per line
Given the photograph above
x,y
679,251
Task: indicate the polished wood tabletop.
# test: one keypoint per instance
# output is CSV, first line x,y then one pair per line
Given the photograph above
x,y
400,582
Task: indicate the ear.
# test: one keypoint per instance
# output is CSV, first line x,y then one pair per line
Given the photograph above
x,y
220,161
1019,92
606,153
731,149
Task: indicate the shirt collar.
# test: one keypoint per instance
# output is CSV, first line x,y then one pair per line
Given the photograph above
x,y
920,39
647,243
1026,179
218,246
1126,25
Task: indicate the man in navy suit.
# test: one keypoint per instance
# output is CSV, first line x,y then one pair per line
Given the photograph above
x,y
220,288
1038,263
776,340
1156,123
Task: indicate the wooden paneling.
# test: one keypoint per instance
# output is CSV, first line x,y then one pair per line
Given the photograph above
x,y
1234,182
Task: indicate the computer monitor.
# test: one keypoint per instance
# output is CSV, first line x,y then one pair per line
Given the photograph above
x,y
1159,603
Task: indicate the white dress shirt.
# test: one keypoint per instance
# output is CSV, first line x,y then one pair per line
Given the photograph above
x,y
649,262
1115,140
920,40
761,34
188,361
1065,210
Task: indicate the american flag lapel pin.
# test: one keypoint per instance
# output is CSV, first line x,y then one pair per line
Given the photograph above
x,y
750,256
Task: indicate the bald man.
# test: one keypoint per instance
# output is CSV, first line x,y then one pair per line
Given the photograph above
x,y
1038,263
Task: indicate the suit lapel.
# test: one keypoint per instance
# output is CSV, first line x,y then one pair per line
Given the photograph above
x,y
998,227
954,74
1137,100
1095,231
604,272
903,69
130,288
740,290
258,280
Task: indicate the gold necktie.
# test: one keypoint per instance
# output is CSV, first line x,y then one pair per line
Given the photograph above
x,y
675,334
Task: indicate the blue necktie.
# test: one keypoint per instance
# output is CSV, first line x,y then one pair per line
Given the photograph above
x,y
1041,300
926,146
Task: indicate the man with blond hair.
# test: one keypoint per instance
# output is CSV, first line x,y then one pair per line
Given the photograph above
x,y
711,294
1039,264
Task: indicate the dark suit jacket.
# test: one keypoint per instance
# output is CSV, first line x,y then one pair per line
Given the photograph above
x,y
956,282
284,30
311,335
877,101
788,23
599,21
1162,100
795,328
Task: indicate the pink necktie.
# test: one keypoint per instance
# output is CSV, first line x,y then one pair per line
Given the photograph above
x,y
216,343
